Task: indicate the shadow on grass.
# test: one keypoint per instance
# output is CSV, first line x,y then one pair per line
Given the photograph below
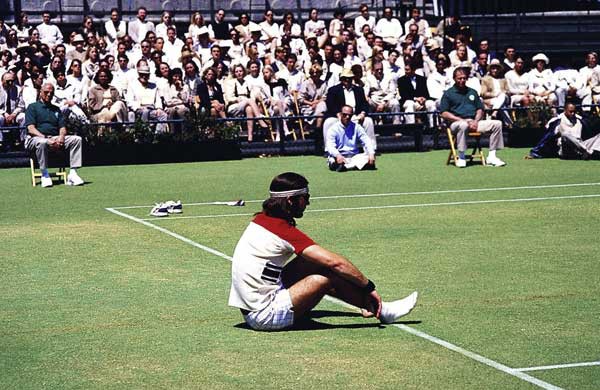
x,y
308,323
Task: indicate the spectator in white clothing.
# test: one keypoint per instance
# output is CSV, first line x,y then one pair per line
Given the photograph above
x,y
362,19
49,33
389,28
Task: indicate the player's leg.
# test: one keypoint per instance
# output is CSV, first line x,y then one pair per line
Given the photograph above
x,y
309,283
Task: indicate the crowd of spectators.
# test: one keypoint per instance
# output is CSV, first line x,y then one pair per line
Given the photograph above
x,y
114,71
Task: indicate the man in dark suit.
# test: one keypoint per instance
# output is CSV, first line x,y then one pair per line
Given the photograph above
x,y
414,95
346,93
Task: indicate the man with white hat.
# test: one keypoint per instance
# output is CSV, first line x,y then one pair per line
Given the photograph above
x,y
541,81
78,53
143,98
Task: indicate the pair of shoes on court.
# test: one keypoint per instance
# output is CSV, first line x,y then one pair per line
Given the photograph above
x,y
392,311
166,208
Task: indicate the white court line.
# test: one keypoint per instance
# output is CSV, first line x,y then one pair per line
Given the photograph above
x,y
568,365
172,234
479,358
452,347
400,194
396,206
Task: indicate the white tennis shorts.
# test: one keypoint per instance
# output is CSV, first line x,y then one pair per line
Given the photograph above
x,y
278,314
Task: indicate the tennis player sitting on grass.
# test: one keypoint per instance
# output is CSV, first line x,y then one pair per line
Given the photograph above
x,y
273,292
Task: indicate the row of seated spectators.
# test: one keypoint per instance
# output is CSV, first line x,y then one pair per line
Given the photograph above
x,y
120,70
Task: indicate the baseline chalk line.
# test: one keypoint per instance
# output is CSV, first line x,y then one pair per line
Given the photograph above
x,y
458,191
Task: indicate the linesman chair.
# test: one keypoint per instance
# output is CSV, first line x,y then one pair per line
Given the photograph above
x,y
297,111
265,109
477,153
55,160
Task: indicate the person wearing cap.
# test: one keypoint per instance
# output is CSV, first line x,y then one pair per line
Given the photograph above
x,y
462,109
143,98
346,93
494,88
433,50
414,95
541,81
78,52
518,84
47,131
389,28
140,26
279,274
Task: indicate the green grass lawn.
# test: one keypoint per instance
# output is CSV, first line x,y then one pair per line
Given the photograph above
x,y
89,299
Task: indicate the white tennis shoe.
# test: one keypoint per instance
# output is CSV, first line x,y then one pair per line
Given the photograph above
x,y
46,181
73,179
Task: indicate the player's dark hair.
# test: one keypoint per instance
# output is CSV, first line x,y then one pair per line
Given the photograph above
x,y
280,207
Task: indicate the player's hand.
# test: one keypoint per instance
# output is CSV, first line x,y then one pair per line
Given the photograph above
x,y
340,159
376,299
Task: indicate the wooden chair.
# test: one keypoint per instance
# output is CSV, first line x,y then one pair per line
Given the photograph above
x,y
477,153
272,130
303,133
57,160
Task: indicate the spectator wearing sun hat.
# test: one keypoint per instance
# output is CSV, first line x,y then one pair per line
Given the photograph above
x,y
541,80
494,88
78,52
143,98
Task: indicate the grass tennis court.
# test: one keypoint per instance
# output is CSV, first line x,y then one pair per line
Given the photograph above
x,y
95,293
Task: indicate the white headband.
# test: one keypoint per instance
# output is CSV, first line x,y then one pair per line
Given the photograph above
x,y
285,194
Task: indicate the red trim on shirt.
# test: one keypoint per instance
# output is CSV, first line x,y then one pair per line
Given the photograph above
x,y
282,229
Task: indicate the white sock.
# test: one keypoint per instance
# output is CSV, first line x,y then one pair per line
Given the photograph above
x,y
492,154
72,170
392,311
